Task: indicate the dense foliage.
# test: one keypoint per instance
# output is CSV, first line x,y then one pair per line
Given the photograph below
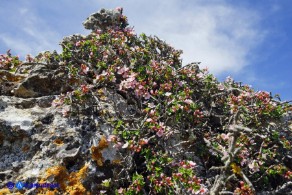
x,y
187,117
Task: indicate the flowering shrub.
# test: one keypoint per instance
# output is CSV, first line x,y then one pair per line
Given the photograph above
x,y
9,62
180,100
195,136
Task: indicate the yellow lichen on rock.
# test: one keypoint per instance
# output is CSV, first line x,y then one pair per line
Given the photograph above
x,y
5,191
69,183
48,193
60,174
58,142
96,151
75,181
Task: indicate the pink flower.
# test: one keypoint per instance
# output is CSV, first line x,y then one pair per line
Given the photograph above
x,y
123,70
105,56
254,166
112,138
118,145
149,120
29,58
130,31
161,124
146,96
203,190
129,83
84,68
229,79
113,79
192,164
78,43
120,9
104,73
138,92
174,109
224,136
159,133
151,105
154,63
151,113
98,77
221,87
57,102
167,94
84,88
65,112
120,191
131,79
200,75
188,101
143,141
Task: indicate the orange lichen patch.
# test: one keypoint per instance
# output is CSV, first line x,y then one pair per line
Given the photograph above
x,y
117,162
100,92
25,148
104,98
48,192
5,191
60,174
10,77
236,169
96,155
96,151
58,142
69,183
74,181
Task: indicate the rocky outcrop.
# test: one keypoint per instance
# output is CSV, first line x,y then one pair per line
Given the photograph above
x,y
106,19
35,137
43,80
8,81
115,113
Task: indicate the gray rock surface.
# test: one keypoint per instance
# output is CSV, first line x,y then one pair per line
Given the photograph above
x,y
105,19
42,80
35,138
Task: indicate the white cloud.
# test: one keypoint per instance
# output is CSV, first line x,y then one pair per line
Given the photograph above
x,y
219,35
20,46
31,35
214,32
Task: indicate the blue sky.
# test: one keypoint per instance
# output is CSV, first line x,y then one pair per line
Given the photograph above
x,y
249,40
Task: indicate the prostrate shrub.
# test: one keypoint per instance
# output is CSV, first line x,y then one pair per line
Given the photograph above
x,y
193,134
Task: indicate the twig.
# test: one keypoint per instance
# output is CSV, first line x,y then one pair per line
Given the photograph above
x,y
247,181
284,187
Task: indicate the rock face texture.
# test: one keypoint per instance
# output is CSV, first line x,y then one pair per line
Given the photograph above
x,y
115,113
42,80
106,19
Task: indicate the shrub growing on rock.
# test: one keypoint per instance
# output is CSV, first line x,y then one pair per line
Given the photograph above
x,y
187,133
